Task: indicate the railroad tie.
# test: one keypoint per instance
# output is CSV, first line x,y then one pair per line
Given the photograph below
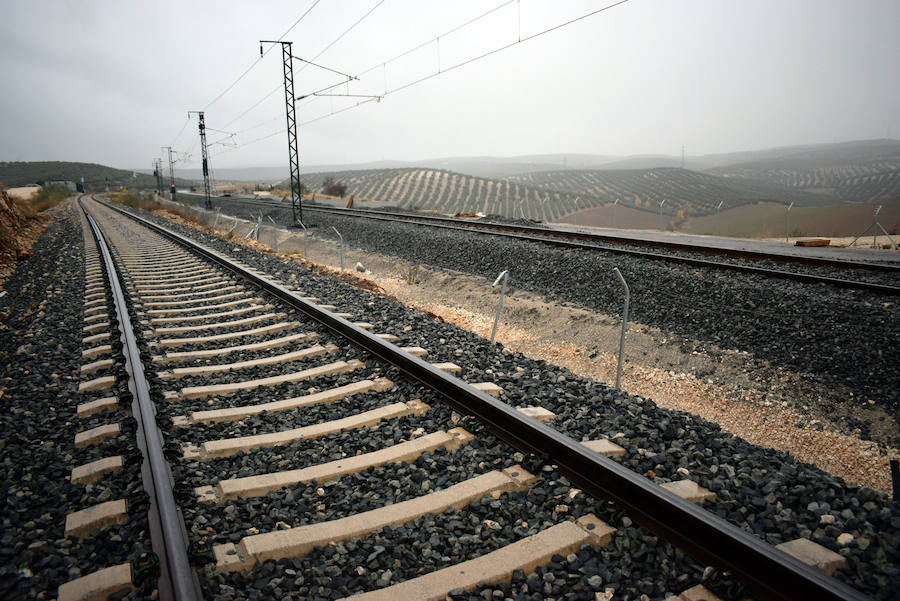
x,y
270,329
257,346
195,392
299,355
407,452
97,585
316,398
82,523
227,447
298,541
498,566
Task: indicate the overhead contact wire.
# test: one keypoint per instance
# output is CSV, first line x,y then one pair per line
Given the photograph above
x,y
257,61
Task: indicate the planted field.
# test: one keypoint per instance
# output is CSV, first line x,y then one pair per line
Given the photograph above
x,y
761,220
449,192
685,192
877,182
866,171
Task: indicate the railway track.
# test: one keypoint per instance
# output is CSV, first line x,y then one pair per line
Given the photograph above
x,y
314,455
863,275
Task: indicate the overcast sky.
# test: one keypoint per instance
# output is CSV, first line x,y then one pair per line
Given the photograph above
x,y
111,82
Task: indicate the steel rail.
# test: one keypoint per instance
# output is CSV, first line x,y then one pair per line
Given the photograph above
x,y
769,573
755,255
491,230
168,536
566,240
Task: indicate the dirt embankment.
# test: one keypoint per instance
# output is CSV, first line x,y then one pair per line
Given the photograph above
x,y
20,227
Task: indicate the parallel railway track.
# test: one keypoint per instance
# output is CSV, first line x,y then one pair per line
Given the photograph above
x,y
233,354
676,252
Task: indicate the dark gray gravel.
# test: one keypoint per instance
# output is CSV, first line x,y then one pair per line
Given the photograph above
x,y
762,491
40,356
838,336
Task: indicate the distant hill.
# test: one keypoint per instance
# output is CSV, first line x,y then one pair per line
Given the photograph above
x,y
451,192
550,186
479,166
864,171
842,152
549,195
95,176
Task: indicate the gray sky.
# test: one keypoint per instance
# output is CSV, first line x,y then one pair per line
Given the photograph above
x,y
110,82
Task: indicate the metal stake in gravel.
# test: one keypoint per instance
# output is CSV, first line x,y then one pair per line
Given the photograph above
x,y
875,234
895,479
305,240
342,246
504,275
787,224
624,323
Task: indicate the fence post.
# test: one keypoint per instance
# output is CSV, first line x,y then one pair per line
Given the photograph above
x,y
895,479
342,246
624,322
504,276
787,224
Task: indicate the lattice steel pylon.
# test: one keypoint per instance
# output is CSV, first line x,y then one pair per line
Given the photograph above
x,y
157,173
171,171
208,202
291,112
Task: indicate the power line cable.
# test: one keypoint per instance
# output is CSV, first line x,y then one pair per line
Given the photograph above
x,y
258,59
440,71
254,141
181,131
277,88
321,52
346,31
501,48
434,39
383,64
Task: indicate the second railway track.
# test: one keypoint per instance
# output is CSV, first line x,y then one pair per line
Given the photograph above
x,y
320,450
874,276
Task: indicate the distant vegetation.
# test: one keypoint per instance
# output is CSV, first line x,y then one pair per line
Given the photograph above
x,y
332,187
808,176
449,192
95,176
851,172
549,195
685,192
49,196
548,188
136,200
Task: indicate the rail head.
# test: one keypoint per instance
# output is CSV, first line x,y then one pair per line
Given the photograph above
x,y
756,255
168,535
769,573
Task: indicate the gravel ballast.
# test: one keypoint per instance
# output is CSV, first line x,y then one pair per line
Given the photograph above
x,y
41,335
845,338
762,491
